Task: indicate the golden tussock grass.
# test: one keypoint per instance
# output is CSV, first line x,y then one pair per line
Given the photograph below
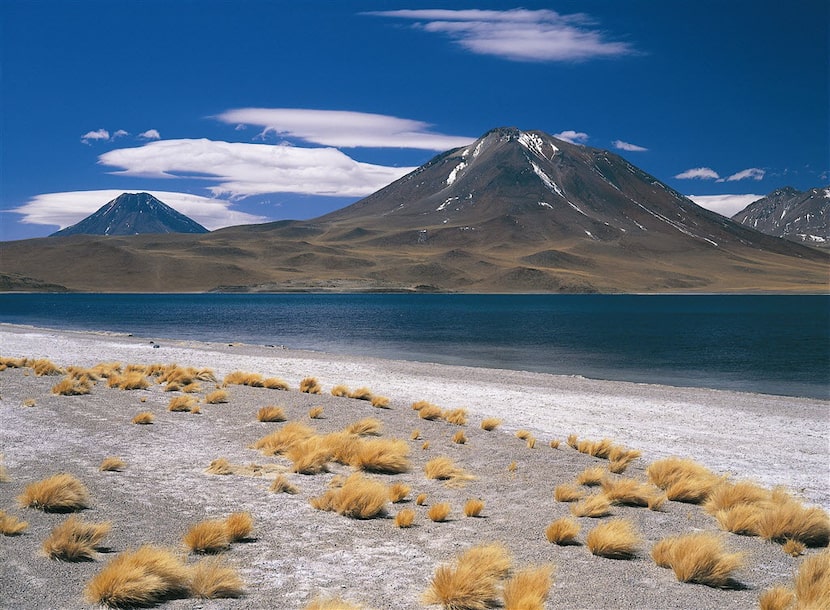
x,y
331,603
531,442
398,492
29,402
490,424
11,525
728,495
386,456
44,366
692,489
523,434
683,479
620,458
365,427
789,519
112,464
459,437
144,418
615,539
595,506
513,466
430,412
444,469
405,518
457,417
310,455
421,500
144,577
69,386
600,449
239,526
420,404
315,412
75,540
629,492
271,414
594,475
568,492
473,507
254,380
528,589
471,581
563,531
699,558
181,404
214,578
572,441
415,435
740,519
281,484
192,388
4,474
275,383
13,363
812,582
216,397
133,381
340,391
361,394
777,598
172,387
439,512
425,445
59,493
380,402
793,548
281,440
554,444
343,446
358,498
209,536
220,466
310,385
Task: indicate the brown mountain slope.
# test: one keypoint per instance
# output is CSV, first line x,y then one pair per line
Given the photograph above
x,y
513,212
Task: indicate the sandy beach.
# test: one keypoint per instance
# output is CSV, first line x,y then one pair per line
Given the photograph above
x,y
299,552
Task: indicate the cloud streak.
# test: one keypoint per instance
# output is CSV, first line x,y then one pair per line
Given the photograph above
x,y
66,209
343,128
574,137
752,173
94,136
517,34
620,145
241,170
698,173
725,205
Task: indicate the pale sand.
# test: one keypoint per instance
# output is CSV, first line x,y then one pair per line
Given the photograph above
x,y
300,551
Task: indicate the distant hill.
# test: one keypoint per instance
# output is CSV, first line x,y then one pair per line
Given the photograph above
x,y
802,216
133,214
516,211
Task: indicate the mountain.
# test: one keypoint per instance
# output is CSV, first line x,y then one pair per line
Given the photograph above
x,y
797,215
133,214
516,211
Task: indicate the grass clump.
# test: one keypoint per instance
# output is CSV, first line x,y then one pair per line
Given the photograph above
x,y
793,548
777,598
70,386
616,539
430,412
181,404
812,583
341,391
405,518
60,493
563,531
271,414
699,558
310,385
209,536
239,526
444,469
523,435
144,418
361,394
421,500
216,397
789,519
457,417
398,492
11,525
380,402
315,412
281,440
684,480
385,456
439,512
281,484
75,540
528,589
490,424
595,506
112,464
331,603
554,443
629,492
309,456
275,383
471,581
592,476
459,438
358,498
213,578
144,577
473,507
44,366
368,426
220,466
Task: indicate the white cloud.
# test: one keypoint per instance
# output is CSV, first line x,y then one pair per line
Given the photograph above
x,y
725,205
698,173
574,137
150,134
120,134
620,145
98,134
517,34
66,209
752,173
254,169
344,128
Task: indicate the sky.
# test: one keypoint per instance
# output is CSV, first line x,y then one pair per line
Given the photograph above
x,y
247,111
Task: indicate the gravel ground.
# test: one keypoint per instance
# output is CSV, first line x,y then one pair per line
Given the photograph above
x,y
299,552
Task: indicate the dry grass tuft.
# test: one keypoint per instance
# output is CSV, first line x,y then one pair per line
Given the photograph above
x,y
513,466
282,485
220,466
70,386
213,578
368,426
789,519
563,531
239,526
315,412
398,492
29,402
812,583
216,397
143,577
13,363
361,394
425,445
271,414
600,449
439,512
386,456
310,455
11,525
470,583
777,598
629,492
416,434
528,589
554,444
381,402
332,603
144,418
430,412
692,489
728,495
490,424
595,506
275,383
340,391
420,404
358,498
699,557
793,548
594,475
44,366
112,464
444,469
740,519
473,507
281,440
421,500
209,536
683,479
459,437
181,404
568,492
457,417
310,385
531,442
523,434
616,539
75,540
60,493
405,518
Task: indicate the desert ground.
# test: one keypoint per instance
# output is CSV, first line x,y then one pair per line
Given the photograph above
x,y
297,553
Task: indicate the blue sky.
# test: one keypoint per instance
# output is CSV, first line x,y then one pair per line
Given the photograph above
x,y
256,110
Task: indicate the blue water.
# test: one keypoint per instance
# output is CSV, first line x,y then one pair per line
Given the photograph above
x,y
756,343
